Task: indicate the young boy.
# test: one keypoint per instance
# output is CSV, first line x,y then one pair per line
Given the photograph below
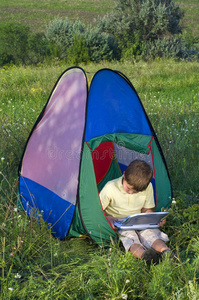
x,y
131,194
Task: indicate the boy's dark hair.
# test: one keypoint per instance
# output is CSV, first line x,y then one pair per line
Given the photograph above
x,y
138,174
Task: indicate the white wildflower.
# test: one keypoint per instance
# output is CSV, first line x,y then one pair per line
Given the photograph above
x,y
10,289
124,296
17,275
15,209
127,281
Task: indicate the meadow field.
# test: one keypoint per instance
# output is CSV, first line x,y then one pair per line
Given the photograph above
x,y
34,265
37,14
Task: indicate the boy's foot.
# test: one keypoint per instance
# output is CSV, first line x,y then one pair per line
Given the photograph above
x,y
150,256
168,253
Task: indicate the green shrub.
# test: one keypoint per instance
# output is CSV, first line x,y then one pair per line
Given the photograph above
x,y
61,33
19,45
13,43
148,29
78,52
167,48
39,48
102,46
75,39
146,19
131,52
189,38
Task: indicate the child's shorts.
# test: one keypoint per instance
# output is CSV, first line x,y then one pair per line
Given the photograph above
x,y
143,237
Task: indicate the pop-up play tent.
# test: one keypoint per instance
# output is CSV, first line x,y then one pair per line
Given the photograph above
x,y
82,139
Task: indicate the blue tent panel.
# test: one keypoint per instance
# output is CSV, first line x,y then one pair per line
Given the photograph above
x,y
58,213
114,107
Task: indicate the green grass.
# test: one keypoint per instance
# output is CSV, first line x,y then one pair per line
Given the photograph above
x,y
191,18
37,14
33,264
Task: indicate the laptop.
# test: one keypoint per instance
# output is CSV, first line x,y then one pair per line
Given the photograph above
x,y
141,221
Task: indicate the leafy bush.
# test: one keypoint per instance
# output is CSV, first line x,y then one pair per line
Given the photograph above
x,y
143,19
102,46
131,52
167,48
39,48
62,32
72,39
189,38
18,45
14,43
78,52
133,23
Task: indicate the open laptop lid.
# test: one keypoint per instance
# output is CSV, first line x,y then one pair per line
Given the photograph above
x,y
141,221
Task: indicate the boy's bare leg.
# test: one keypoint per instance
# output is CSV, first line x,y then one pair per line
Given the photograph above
x,y
159,245
137,250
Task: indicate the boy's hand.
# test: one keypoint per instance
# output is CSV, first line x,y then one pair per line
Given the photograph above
x,y
148,210
112,220
162,223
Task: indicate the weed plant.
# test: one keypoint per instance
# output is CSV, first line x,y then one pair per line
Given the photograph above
x,y
35,265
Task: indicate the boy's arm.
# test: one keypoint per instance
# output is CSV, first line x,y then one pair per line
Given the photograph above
x,y
112,220
105,200
147,210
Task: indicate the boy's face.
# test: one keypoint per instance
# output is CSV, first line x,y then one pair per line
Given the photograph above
x,y
127,187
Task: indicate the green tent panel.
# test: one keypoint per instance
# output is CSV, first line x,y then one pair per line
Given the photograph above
x,y
163,184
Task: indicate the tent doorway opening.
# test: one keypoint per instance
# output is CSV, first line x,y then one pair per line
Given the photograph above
x,y
110,160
